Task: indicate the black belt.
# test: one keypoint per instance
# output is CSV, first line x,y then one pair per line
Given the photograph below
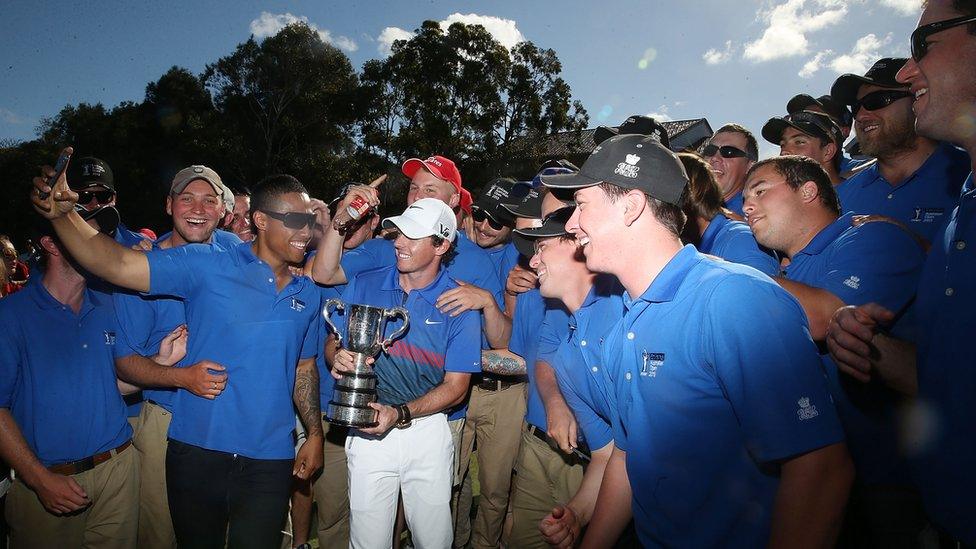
x,y
132,398
582,451
88,463
497,383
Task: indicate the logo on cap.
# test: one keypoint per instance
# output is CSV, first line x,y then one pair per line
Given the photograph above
x,y
92,169
197,169
628,168
433,160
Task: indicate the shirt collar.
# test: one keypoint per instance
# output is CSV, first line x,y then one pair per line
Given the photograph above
x,y
668,281
44,300
430,292
828,234
714,227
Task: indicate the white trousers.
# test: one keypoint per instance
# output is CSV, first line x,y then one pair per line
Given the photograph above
x,y
417,461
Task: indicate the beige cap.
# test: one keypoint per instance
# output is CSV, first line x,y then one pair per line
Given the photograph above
x,y
188,175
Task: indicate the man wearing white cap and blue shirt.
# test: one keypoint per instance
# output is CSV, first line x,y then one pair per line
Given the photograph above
x,y
419,377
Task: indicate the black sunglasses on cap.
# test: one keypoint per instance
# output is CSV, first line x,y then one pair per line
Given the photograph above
x,y
292,220
102,197
879,99
727,151
920,45
480,215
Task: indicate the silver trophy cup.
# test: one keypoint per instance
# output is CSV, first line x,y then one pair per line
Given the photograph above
x,y
364,338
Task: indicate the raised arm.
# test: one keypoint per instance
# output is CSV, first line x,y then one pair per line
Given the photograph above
x,y
326,268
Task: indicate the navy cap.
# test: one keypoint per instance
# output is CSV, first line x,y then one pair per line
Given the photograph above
x,y
882,74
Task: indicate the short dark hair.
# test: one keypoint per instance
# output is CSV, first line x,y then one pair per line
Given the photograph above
x,y
270,189
669,215
704,198
797,170
752,146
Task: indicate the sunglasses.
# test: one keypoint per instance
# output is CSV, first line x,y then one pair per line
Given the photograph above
x,y
727,151
920,45
293,220
479,215
103,197
879,99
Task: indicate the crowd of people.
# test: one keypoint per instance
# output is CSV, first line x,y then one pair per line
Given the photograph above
x,y
698,348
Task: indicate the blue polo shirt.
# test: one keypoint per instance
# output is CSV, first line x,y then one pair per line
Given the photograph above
x,y
505,258
733,241
471,264
945,307
531,310
61,392
710,401
144,321
922,201
580,370
238,319
876,262
736,203
434,344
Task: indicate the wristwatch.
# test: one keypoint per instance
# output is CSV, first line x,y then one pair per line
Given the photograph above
x,y
403,416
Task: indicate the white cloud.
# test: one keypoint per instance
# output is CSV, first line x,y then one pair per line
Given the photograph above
x,y
815,64
10,117
788,25
903,7
661,114
268,24
717,57
865,52
504,30
389,36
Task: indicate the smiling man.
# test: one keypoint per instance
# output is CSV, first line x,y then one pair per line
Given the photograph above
x,y
730,153
916,180
938,365
230,460
811,134
716,442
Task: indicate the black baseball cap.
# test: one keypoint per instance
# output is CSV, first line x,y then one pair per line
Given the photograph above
x,y
553,224
834,108
809,122
530,206
636,124
882,74
633,162
498,192
89,171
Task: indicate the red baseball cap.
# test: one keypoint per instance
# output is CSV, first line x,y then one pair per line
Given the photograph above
x,y
442,168
466,201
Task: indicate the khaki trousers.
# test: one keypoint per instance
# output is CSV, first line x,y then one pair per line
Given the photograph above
x,y
493,421
155,524
544,478
331,490
109,522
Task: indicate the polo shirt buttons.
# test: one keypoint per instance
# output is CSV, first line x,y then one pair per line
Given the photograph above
x,y
961,245
630,335
84,345
627,375
949,291
595,369
890,196
271,280
583,343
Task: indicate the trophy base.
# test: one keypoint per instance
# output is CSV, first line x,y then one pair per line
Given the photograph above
x,y
351,416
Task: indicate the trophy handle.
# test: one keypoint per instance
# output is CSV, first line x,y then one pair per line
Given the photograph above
x,y
391,313
325,314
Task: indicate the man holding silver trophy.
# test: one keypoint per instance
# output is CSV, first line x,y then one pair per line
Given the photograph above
x,y
396,400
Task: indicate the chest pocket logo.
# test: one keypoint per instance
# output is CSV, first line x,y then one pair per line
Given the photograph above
x,y
650,363
297,304
109,338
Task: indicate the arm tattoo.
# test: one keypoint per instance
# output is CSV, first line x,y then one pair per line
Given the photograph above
x,y
306,396
496,363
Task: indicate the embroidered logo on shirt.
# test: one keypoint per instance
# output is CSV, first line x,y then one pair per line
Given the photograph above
x,y
628,168
807,410
926,215
853,282
109,338
430,322
651,362
297,304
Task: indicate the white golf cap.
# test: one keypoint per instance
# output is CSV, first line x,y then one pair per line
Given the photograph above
x,y
425,217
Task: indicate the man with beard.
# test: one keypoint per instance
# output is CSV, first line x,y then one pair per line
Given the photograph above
x,y
229,460
916,180
938,367
195,203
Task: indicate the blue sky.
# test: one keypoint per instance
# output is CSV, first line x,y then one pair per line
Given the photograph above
x,y
727,60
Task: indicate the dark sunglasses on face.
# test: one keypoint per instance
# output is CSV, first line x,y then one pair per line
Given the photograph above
x,y
103,197
727,151
293,220
879,99
920,45
479,215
